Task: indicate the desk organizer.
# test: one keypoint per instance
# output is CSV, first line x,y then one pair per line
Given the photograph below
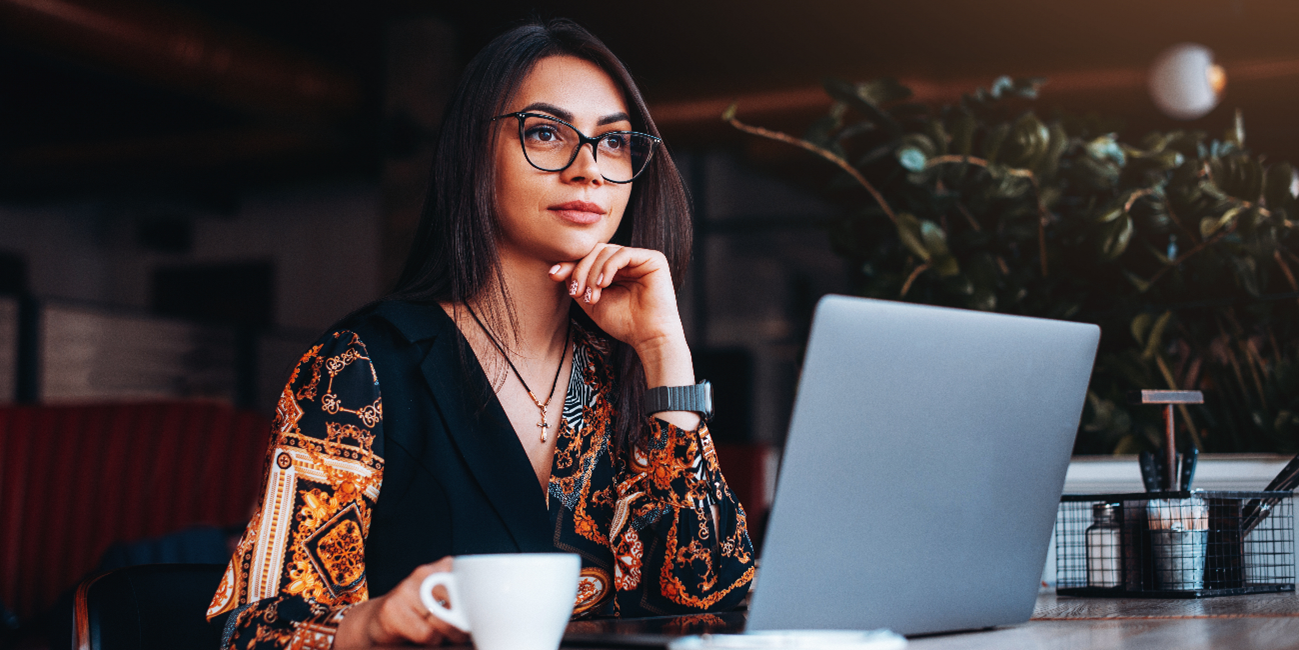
x,y
1175,544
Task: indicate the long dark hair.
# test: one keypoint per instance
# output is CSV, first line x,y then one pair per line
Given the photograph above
x,y
453,257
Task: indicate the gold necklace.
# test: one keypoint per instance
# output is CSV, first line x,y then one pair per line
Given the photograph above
x,y
543,425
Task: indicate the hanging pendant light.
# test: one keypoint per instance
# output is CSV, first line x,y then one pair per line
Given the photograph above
x,y
1185,83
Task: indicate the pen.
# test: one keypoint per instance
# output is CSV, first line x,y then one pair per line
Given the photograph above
x,y
1257,509
1188,467
1149,471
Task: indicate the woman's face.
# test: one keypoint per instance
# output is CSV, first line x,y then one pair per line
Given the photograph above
x,y
560,216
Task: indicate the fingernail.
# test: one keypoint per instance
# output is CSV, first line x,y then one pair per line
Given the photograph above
x,y
588,295
572,288
600,279
554,269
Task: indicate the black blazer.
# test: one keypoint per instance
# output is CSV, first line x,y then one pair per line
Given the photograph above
x,y
448,459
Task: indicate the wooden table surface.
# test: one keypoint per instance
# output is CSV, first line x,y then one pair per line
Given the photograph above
x,y
1253,622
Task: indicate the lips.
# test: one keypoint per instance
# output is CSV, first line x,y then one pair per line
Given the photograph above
x,y
578,212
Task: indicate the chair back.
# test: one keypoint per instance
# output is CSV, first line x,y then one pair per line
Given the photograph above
x,y
147,607
74,479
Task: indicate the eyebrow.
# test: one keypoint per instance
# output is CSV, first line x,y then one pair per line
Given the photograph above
x,y
568,117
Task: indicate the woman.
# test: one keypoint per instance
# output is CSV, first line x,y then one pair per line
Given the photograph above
x,y
542,275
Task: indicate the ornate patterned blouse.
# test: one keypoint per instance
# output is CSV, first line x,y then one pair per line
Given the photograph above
x,y
644,514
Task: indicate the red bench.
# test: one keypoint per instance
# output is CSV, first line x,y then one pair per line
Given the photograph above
x,y
75,479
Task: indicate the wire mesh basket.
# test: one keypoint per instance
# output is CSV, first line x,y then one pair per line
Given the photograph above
x,y
1175,544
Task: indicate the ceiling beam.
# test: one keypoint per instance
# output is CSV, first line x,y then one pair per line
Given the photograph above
x,y
184,52
1064,87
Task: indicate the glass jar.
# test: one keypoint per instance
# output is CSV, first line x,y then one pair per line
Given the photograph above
x,y
1105,547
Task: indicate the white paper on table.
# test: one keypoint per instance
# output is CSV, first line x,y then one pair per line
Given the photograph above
x,y
794,639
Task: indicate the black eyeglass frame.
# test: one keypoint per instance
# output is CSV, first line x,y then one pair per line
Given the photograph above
x,y
583,140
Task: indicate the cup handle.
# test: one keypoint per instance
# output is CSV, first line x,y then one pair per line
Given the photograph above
x,y
454,614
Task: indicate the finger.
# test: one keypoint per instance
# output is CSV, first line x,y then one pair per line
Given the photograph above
x,y
561,271
616,266
434,630
397,619
630,264
423,625
580,280
443,565
601,264
603,273
637,263
455,636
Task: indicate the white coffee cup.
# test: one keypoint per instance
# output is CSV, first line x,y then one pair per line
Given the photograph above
x,y
517,601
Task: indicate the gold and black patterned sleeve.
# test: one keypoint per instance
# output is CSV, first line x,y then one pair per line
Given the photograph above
x,y
301,562
670,557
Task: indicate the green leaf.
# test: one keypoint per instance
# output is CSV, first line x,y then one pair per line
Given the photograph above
x,y
849,94
937,135
1058,142
992,143
1141,285
912,159
914,151
947,266
1106,148
1110,215
1027,143
983,299
963,128
1115,237
1140,325
883,91
821,133
909,232
934,238
1210,225
729,113
1170,159
1000,85
1207,226
1156,335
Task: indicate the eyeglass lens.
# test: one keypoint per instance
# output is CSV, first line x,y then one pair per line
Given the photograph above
x,y
551,146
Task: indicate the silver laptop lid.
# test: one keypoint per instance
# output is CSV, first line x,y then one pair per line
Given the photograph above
x,y
923,468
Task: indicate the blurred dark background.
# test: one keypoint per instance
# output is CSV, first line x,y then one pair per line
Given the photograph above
x,y
259,166
191,190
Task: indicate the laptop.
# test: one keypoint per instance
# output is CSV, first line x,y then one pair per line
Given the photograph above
x,y
921,476
923,469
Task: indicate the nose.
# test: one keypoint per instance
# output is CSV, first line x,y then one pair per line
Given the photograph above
x,y
585,168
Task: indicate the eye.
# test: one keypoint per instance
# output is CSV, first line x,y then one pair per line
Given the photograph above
x,y
614,142
542,133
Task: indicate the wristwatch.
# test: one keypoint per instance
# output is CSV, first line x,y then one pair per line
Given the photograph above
x,y
697,398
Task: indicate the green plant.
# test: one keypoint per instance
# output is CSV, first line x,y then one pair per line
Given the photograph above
x,y
1180,246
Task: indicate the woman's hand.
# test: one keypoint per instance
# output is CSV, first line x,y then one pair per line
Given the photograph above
x,y
399,617
628,292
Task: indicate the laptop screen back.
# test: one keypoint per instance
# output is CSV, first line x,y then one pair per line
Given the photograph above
x,y
924,464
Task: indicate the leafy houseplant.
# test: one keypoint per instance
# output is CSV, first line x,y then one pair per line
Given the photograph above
x,y
1180,246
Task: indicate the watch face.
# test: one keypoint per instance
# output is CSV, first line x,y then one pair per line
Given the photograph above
x,y
706,399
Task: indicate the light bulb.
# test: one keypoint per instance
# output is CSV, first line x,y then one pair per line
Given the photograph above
x,y
1185,83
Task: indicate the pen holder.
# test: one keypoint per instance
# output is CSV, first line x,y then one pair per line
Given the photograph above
x,y
1175,544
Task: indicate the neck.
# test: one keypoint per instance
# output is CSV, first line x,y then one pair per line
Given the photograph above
x,y
539,305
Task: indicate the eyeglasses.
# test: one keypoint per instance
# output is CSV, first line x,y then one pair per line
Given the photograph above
x,y
551,145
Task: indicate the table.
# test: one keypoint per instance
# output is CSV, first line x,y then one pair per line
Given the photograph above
x,y
1253,622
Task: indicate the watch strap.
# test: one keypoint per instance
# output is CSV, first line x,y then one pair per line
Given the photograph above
x,y
697,398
